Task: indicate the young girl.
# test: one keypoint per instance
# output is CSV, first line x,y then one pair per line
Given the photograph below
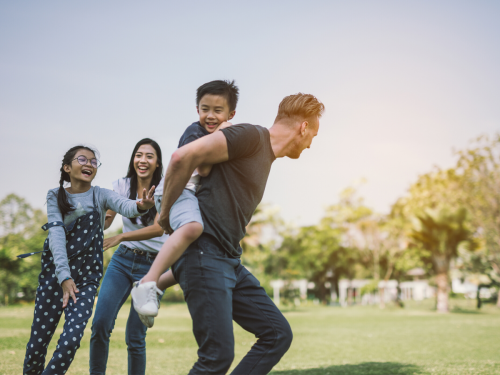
x,y
71,259
139,243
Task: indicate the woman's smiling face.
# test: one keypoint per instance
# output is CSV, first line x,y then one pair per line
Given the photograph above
x,y
145,161
82,173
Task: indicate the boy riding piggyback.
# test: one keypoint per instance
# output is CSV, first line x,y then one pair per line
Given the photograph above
x,y
216,105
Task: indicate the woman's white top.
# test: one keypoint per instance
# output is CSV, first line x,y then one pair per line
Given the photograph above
x,y
122,187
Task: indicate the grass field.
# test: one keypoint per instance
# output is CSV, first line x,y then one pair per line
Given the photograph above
x,y
327,340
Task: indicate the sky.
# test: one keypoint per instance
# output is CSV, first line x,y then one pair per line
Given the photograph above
x,y
403,83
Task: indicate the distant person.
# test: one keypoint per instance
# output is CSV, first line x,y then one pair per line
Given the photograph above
x,y
72,259
139,243
216,104
217,288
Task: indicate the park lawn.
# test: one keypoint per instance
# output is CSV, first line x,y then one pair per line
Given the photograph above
x,y
327,340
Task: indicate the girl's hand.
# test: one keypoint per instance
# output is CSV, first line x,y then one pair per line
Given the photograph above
x,y
111,242
148,200
69,289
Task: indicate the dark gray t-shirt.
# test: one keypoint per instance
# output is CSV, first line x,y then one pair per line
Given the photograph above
x,y
229,196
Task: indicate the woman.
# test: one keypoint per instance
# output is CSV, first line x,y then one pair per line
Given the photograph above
x,y
140,241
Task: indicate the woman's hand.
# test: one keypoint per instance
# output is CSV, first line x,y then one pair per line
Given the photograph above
x,y
164,222
69,290
148,200
112,242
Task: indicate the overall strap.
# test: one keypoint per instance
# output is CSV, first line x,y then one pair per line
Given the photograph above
x,y
45,227
96,208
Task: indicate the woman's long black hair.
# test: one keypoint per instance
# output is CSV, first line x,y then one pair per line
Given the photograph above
x,y
148,217
62,199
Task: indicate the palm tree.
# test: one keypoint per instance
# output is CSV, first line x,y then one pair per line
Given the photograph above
x,y
441,231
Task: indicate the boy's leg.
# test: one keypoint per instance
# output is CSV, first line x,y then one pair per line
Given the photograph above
x,y
254,311
114,291
172,249
207,278
76,318
48,310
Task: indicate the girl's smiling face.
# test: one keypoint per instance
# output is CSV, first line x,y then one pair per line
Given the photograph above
x,y
81,173
145,161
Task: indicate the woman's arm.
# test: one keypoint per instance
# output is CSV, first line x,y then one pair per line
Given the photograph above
x,y
110,217
145,233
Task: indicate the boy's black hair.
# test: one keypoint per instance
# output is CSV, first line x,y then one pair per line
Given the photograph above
x,y
227,89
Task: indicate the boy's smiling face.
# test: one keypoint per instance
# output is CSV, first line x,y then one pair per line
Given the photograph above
x,y
213,111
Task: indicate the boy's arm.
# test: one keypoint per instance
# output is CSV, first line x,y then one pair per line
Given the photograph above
x,y
211,149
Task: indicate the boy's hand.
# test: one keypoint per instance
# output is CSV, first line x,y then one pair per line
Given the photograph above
x,y
69,289
164,222
148,200
225,124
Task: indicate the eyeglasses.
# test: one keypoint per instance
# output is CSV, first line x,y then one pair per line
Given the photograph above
x,y
93,162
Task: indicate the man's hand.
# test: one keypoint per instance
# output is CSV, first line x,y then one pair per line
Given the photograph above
x,y
148,200
69,290
111,242
164,222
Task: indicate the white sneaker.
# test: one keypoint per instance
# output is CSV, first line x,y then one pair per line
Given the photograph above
x,y
145,299
148,321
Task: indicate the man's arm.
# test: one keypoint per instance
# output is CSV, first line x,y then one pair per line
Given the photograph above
x,y
211,149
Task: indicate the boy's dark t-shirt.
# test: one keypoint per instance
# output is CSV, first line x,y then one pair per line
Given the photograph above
x,y
229,196
192,133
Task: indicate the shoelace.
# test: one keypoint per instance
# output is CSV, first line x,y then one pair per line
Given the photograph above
x,y
152,294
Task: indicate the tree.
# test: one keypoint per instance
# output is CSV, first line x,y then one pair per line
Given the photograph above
x,y
21,233
441,231
436,220
478,173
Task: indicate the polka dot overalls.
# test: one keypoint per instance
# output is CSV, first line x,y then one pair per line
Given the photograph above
x,y
84,243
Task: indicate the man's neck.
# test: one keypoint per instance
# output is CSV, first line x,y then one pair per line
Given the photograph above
x,y
282,138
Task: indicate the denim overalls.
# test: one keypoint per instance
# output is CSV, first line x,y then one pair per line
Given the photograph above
x,y
84,244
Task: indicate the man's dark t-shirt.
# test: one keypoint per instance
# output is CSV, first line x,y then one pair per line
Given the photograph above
x,y
229,196
192,133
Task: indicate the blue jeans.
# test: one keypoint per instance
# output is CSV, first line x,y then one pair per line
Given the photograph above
x,y
218,290
124,268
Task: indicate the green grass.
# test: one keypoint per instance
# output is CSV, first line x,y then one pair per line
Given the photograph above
x,y
327,340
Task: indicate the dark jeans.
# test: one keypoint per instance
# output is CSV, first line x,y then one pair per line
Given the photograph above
x,y
218,290
124,268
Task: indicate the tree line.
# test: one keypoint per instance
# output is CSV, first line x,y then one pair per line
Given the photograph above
x,y
447,218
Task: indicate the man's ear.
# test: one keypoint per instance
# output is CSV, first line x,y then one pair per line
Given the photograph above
x,y
303,128
231,115
198,109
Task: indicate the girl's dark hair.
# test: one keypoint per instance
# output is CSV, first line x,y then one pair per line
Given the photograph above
x,y
148,217
62,198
